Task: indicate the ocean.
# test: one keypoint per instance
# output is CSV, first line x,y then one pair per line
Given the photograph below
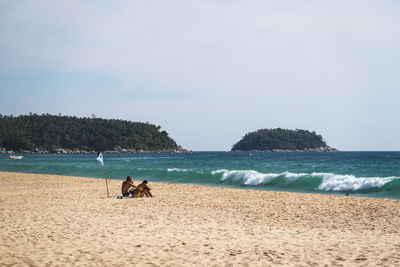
x,y
370,174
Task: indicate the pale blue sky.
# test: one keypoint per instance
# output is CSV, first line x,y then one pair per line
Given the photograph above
x,y
209,71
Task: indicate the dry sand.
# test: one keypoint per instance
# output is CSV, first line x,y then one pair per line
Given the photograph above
x,y
58,220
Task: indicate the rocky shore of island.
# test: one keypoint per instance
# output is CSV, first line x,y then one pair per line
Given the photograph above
x,y
318,149
116,150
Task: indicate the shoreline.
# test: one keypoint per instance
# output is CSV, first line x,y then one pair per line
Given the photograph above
x,y
249,188
49,219
341,194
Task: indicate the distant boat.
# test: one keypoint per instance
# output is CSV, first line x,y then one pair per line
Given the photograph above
x,y
15,157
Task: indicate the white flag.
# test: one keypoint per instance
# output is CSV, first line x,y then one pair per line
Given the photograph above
x,y
100,159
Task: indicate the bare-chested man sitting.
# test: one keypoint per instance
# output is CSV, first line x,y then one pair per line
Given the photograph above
x,y
127,188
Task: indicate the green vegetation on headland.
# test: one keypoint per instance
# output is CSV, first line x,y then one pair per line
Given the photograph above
x,y
66,134
282,140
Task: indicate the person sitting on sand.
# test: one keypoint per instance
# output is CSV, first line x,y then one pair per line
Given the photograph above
x,y
128,187
142,190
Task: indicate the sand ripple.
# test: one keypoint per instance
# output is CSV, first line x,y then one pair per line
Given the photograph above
x,y
58,220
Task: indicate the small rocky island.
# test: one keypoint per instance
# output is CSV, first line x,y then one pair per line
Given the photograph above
x,y
282,140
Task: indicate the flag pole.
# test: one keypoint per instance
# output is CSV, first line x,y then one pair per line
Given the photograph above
x,y
105,177
100,159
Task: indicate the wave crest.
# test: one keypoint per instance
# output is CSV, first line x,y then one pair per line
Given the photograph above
x,y
251,177
335,182
178,170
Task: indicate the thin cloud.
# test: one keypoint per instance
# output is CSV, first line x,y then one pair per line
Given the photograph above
x,y
233,66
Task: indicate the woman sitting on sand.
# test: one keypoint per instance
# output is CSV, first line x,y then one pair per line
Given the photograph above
x,y
142,190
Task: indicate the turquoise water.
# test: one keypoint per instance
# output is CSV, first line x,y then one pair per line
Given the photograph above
x,y
373,174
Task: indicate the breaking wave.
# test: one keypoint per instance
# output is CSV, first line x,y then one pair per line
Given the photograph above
x,y
329,182
251,177
335,182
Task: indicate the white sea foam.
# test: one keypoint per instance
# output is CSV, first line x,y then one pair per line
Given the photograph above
x,y
251,177
293,176
178,170
336,182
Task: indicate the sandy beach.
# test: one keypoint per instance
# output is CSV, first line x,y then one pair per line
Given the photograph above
x,y
59,220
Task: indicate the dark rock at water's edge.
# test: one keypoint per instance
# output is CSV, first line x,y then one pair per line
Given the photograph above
x,y
178,150
282,140
318,149
116,150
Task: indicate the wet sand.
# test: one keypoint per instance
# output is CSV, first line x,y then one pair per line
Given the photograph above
x,y
59,220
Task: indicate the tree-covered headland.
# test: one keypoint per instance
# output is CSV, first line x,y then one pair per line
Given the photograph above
x,y
51,133
282,140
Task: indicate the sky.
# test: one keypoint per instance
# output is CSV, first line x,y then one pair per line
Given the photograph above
x,y
208,72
